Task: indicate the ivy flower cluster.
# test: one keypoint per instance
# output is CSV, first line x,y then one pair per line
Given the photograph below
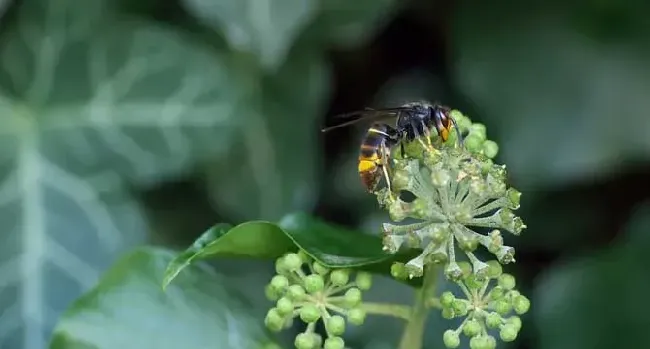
x,y
462,201
490,303
456,190
306,289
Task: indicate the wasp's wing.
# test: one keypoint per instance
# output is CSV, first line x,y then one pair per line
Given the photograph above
x,y
364,115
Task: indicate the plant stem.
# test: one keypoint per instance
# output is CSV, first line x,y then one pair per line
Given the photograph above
x,y
413,335
394,310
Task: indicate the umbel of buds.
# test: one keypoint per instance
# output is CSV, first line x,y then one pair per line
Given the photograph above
x,y
488,304
457,190
306,289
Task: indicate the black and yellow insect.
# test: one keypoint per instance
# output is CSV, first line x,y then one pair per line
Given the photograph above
x,y
413,120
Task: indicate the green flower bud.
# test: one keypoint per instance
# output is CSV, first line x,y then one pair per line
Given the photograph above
x,y
460,307
490,149
490,342
478,130
473,143
476,343
273,320
270,293
363,280
292,261
284,306
320,269
398,271
502,306
279,283
507,281
494,269
304,341
334,343
493,320
521,304
304,257
309,313
447,299
508,333
451,339
296,293
352,297
448,313
356,316
335,325
314,283
497,293
471,328
475,282
340,277
515,321
280,267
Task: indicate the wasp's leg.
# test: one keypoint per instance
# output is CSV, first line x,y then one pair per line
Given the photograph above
x,y
385,154
387,178
427,134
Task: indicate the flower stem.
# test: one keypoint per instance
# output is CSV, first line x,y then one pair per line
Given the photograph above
x,y
413,335
394,310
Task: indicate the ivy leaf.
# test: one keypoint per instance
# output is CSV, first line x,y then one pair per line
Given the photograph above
x,y
127,309
347,24
89,103
264,28
273,169
332,246
587,80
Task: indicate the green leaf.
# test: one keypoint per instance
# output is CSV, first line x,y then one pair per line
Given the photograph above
x,y
597,300
264,28
586,96
332,246
127,309
274,167
89,103
347,24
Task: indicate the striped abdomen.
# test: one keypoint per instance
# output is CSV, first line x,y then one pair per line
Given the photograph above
x,y
371,156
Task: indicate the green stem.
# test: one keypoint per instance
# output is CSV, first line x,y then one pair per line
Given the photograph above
x,y
413,335
394,310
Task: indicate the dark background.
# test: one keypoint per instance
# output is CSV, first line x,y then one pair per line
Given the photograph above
x,y
563,87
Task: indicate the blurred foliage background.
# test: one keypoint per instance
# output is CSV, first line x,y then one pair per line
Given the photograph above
x,y
127,123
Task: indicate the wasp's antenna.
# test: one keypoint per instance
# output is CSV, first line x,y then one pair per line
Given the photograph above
x,y
460,137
